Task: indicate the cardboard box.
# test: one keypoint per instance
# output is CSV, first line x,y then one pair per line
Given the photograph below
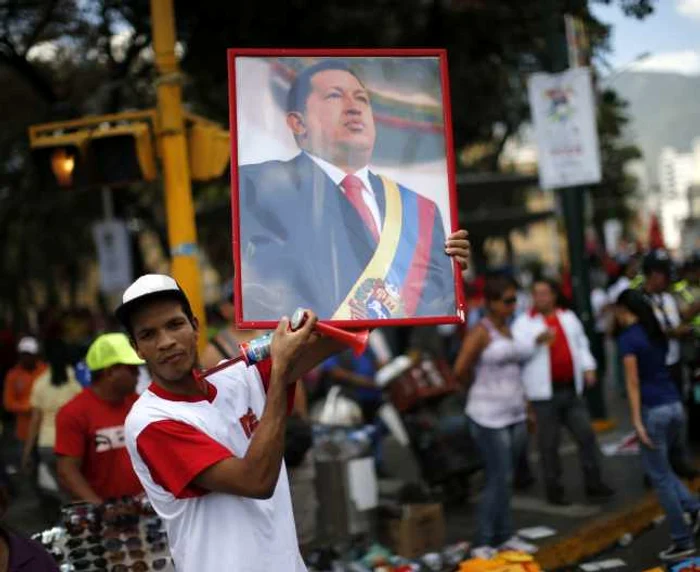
x,y
420,528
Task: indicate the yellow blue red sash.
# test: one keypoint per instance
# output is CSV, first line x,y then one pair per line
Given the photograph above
x,y
392,282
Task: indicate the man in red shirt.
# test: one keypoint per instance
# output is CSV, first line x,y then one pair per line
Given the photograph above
x,y
93,463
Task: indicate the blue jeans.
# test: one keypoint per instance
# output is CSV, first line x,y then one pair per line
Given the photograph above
x,y
500,450
663,425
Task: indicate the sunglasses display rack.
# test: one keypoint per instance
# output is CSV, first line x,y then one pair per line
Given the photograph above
x,y
122,535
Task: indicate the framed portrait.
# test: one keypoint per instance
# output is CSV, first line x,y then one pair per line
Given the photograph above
x,y
342,187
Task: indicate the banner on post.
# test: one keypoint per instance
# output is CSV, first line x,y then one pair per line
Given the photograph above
x,y
563,113
113,254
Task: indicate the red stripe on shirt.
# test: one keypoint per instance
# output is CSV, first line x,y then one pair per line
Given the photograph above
x,y
265,370
175,453
415,279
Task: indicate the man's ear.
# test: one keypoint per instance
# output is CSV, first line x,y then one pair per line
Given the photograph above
x,y
295,122
195,326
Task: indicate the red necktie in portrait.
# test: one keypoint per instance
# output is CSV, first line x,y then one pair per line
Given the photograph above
x,y
353,188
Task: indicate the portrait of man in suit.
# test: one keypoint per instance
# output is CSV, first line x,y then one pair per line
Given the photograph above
x,y
324,231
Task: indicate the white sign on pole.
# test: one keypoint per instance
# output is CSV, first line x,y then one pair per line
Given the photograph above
x,y
113,254
563,113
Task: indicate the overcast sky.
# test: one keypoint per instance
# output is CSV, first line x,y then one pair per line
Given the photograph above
x,y
671,35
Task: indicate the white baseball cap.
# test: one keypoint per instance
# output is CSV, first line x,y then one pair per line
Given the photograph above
x,y
28,345
146,287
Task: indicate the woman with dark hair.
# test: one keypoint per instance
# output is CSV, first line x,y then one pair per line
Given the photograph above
x,y
657,415
56,387
489,365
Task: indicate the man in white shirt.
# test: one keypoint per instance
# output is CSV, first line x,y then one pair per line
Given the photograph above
x,y
208,449
657,282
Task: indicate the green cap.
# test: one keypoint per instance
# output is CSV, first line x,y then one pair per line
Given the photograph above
x,y
111,349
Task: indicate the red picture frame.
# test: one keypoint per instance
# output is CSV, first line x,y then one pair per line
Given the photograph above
x,y
246,322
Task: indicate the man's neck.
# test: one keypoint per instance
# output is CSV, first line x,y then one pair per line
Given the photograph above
x,y
105,393
549,312
188,385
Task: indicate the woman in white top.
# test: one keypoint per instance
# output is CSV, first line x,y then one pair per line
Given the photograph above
x,y
489,364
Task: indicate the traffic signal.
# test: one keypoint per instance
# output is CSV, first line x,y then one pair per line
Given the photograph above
x,y
60,160
120,149
209,149
123,154
106,150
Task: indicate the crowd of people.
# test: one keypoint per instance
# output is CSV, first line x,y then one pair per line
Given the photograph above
x,y
532,360
525,361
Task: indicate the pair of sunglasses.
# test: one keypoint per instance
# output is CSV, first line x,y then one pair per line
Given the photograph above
x,y
157,547
152,537
80,553
77,541
98,563
141,566
121,556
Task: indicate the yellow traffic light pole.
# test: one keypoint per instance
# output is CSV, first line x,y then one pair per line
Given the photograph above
x,y
182,232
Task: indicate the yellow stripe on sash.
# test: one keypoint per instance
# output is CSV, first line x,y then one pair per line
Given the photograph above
x,y
380,263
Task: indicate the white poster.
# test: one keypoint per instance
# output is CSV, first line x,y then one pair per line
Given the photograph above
x,y
563,113
113,254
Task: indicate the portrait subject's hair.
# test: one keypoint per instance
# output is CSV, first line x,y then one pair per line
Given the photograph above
x,y
301,86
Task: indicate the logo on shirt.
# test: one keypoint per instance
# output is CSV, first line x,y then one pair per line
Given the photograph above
x,y
249,422
109,438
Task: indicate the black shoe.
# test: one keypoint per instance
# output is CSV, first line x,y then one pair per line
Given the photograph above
x,y
558,497
599,491
674,552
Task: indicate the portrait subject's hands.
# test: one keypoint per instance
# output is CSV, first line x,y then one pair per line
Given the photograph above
x,y
457,246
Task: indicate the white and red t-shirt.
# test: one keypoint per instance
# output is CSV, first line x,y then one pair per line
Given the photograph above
x,y
172,438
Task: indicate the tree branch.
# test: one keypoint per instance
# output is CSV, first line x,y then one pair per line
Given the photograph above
x,y
40,26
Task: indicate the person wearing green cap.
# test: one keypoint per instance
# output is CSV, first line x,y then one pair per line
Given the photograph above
x,y
93,463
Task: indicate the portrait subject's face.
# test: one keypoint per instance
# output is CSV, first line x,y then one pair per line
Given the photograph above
x,y
338,121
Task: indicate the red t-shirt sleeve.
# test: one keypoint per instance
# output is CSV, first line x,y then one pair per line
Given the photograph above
x,y
265,370
175,453
70,436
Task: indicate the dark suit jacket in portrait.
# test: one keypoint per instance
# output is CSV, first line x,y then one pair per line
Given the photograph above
x,y
303,244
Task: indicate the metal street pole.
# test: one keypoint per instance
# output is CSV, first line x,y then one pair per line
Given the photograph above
x,y
573,206
182,232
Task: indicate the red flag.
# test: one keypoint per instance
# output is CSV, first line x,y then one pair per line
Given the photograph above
x,y
656,236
